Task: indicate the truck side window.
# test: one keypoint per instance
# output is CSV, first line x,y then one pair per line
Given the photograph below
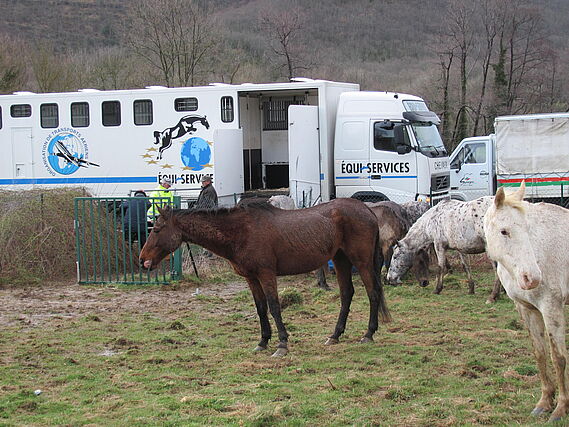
x,y
49,115
458,160
142,109
386,139
111,113
227,109
80,114
475,153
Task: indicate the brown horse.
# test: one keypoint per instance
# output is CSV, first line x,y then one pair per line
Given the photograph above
x,y
262,242
394,222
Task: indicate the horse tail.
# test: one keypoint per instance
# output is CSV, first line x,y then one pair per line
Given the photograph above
x,y
377,265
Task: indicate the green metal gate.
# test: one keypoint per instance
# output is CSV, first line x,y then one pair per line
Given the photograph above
x,y
107,251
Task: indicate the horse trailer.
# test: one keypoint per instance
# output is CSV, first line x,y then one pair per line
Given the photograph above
x,y
321,139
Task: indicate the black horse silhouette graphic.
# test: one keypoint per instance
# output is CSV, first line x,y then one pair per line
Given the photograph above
x,y
184,126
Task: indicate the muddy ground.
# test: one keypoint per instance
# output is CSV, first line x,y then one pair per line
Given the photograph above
x,y
36,304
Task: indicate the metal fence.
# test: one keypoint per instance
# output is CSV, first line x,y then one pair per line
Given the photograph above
x,y
108,247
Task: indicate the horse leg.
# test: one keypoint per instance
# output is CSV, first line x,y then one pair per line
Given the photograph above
x,y
555,325
387,252
369,272
372,289
466,266
421,268
261,304
343,268
536,327
441,260
496,289
269,284
321,276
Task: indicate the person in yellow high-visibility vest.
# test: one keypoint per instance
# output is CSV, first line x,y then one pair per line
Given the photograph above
x,y
164,192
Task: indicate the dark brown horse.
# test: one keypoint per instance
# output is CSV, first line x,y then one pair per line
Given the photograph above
x,y
262,242
394,222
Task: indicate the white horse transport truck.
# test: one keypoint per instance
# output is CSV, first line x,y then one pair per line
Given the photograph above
x,y
532,148
321,139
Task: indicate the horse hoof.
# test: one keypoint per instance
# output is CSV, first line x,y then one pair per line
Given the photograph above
x,y
331,341
259,348
553,419
492,301
365,340
280,352
424,283
537,411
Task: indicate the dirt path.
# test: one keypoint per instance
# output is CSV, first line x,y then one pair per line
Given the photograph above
x,y
34,305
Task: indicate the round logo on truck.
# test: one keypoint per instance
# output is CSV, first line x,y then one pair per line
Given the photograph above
x,y
196,153
65,151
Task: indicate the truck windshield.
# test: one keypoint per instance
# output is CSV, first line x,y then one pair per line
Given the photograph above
x,y
429,140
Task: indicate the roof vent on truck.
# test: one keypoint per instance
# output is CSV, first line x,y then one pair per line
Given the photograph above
x,y
88,90
156,87
301,80
23,92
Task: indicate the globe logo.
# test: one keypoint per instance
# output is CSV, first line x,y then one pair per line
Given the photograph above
x,y
58,162
196,153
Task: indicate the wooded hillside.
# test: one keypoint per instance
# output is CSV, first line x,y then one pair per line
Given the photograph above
x,y
470,60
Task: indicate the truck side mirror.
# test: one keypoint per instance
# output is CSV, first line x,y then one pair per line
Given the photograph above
x,y
387,125
403,148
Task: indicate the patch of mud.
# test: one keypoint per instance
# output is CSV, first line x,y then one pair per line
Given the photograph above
x,y
36,305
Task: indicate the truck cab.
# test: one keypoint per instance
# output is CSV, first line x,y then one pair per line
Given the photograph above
x,y
471,168
387,147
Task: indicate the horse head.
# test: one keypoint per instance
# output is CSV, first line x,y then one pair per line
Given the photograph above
x,y
204,122
507,238
164,239
401,262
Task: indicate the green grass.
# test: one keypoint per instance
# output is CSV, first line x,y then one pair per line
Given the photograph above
x,y
446,359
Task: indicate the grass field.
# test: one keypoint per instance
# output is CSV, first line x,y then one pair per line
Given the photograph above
x,y
164,356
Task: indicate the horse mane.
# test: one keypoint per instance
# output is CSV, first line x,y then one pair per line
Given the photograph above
x,y
512,201
261,206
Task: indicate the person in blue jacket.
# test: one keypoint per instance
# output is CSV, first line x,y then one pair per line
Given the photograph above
x,y
135,226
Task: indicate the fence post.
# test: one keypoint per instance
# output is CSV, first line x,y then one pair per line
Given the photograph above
x,y
77,241
177,255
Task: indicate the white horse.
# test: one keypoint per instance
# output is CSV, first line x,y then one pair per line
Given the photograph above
x,y
530,244
451,224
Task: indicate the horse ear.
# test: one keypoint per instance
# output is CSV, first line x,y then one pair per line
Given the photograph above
x,y
519,195
500,197
165,212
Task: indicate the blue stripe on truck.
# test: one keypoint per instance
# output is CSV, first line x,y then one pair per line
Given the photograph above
x,y
84,180
382,177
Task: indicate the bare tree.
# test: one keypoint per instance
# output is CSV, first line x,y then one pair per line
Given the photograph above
x,y
111,68
492,13
523,55
12,66
283,29
53,72
446,52
174,36
461,30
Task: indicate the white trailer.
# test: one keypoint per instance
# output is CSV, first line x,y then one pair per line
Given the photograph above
x,y
532,148
321,139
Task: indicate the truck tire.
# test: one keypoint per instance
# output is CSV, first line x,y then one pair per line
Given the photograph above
x,y
369,196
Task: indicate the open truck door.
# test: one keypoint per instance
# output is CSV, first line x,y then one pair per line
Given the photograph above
x,y
228,165
304,155
471,169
